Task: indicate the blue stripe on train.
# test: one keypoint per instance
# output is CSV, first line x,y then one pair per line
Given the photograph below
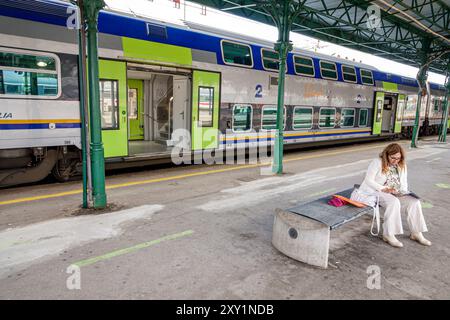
x,y
27,126
294,137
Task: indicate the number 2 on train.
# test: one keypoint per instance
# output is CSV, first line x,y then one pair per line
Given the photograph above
x,y
258,91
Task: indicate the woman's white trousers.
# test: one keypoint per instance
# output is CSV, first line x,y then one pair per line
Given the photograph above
x,y
394,207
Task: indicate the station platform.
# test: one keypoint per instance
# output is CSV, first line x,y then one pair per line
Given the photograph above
x,y
204,232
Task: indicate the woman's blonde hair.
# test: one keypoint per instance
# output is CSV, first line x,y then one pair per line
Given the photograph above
x,y
390,150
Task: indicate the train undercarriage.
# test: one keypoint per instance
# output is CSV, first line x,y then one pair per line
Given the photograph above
x,y
29,165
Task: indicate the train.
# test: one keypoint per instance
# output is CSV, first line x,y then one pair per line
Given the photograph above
x,y
158,78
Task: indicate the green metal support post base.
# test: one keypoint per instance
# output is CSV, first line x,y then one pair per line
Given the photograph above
x,y
277,166
98,175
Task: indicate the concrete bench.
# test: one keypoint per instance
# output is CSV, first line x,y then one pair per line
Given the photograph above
x,y
303,232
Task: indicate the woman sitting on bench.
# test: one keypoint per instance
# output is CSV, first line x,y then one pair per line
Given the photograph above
x,y
386,179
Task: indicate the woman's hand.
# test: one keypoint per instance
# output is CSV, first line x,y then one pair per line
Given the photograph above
x,y
390,190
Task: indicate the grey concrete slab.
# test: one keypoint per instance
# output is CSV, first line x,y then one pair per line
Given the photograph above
x,y
227,253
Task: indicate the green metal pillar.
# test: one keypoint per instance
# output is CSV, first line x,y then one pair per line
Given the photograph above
x,y
444,124
283,13
421,78
91,10
283,46
82,88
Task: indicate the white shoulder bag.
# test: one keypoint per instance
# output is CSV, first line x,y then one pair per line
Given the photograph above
x,y
372,200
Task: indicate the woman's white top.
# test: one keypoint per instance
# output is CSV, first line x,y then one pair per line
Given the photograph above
x,y
375,178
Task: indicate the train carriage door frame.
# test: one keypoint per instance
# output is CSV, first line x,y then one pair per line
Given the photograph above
x,y
181,98
205,109
378,112
113,107
399,113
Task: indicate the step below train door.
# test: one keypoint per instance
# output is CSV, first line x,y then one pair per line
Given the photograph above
x,y
113,107
378,113
205,110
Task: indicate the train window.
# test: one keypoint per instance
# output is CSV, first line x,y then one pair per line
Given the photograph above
x,y
27,61
409,81
242,118
347,117
366,77
25,74
304,66
327,117
363,117
328,70
237,54
205,106
436,105
109,104
349,73
303,118
411,102
269,118
270,60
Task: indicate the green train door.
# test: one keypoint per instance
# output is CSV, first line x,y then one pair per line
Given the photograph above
x,y
399,113
113,107
378,112
135,109
205,109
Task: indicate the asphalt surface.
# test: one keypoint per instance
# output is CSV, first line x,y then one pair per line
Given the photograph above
x,y
204,232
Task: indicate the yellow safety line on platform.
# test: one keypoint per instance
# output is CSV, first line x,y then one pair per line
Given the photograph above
x,y
183,176
47,196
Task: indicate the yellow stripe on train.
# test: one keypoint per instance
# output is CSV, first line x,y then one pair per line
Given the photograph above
x,y
39,121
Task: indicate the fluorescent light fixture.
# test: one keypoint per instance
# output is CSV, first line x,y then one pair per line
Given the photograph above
x,y
41,64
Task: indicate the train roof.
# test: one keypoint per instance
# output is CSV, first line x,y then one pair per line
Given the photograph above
x,y
56,12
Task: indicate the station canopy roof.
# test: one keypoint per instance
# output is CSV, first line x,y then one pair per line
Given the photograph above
x,y
397,31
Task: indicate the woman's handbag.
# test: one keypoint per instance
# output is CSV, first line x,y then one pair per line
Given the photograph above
x,y
336,202
350,201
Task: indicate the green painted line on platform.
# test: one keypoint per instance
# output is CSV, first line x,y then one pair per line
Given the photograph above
x,y
321,193
427,205
135,248
443,185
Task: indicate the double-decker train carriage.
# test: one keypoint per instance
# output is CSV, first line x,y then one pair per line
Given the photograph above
x,y
156,78
431,111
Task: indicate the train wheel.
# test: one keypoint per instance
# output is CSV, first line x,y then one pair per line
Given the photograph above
x,y
65,169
